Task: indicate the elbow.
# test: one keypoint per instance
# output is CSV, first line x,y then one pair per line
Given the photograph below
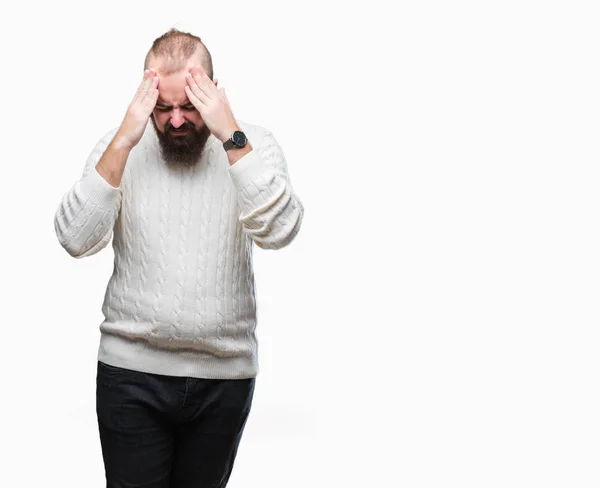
x,y
72,250
280,236
75,253
273,245
65,243
71,247
78,248
79,252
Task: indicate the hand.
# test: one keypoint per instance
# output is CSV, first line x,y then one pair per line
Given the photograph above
x,y
136,119
211,102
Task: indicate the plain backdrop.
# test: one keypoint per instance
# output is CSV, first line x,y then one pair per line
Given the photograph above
x,y
434,324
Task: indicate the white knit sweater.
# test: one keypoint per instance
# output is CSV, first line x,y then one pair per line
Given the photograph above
x,y
181,298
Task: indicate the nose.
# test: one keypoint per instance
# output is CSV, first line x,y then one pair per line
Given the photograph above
x,y
177,119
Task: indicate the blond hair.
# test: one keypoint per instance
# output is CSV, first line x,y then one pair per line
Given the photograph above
x,y
175,48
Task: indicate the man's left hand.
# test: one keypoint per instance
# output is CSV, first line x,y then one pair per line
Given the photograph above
x,y
211,102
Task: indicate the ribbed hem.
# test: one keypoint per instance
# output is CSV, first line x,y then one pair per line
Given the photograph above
x,y
247,168
98,190
142,356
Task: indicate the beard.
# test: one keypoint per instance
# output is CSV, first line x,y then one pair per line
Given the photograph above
x,y
182,150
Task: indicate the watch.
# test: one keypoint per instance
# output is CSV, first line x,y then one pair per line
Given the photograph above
x,y
237,139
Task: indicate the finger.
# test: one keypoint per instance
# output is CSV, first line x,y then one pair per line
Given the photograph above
x,y
152,83
196,90
203,81
153,78
151,100
144,85
222,90
151,96
197,102
146,80
155,74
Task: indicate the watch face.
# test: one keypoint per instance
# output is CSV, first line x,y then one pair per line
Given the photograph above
x,y
239,139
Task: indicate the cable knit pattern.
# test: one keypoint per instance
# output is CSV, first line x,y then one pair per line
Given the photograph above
x,y
181,300
144,242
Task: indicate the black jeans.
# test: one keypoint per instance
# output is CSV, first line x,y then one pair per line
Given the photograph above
x,y
169,432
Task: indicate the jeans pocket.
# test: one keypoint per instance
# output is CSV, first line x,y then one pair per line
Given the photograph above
x,y
112,376
110,367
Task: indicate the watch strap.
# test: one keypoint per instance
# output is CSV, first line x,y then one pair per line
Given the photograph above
x,y
228,144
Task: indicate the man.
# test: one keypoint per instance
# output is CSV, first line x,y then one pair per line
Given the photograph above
x,y
184,199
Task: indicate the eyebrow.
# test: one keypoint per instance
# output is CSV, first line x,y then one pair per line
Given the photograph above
x,y
164,104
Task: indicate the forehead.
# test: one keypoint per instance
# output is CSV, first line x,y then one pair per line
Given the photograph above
x,y
171,88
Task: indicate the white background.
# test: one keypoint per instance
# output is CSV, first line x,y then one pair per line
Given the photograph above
x,y
435,322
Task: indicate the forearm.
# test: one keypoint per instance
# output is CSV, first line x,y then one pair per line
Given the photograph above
x,y
271,213
87,212
86,215
236,153
112,163
269,209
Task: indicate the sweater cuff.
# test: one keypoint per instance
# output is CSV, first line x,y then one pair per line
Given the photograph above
x,y
98,190
247,169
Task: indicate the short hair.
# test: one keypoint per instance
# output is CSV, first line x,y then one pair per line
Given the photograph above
x,y
175,48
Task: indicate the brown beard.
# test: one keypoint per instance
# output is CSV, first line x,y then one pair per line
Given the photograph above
x,y
184,150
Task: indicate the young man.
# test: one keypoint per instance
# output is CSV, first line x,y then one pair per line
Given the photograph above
x,y
184,198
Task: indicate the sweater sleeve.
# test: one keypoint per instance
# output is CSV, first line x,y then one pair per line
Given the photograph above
x,y
270,212
87,213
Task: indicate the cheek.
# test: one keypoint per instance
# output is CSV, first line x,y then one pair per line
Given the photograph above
x,y
194,118
160,118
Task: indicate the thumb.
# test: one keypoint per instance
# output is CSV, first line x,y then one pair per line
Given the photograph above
x,y
222,90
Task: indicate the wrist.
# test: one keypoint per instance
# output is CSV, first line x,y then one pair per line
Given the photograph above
x,y
226,135
122,145
122,142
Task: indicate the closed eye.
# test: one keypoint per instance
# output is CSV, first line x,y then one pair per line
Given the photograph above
x,y
166,109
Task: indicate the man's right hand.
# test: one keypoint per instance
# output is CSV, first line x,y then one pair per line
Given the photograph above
x,y
136,119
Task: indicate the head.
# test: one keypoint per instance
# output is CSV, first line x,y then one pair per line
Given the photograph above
x,y
181,131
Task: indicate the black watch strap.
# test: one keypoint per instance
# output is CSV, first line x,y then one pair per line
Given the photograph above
x,y
237,139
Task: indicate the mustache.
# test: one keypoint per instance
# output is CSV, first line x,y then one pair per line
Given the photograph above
x,y
184,126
